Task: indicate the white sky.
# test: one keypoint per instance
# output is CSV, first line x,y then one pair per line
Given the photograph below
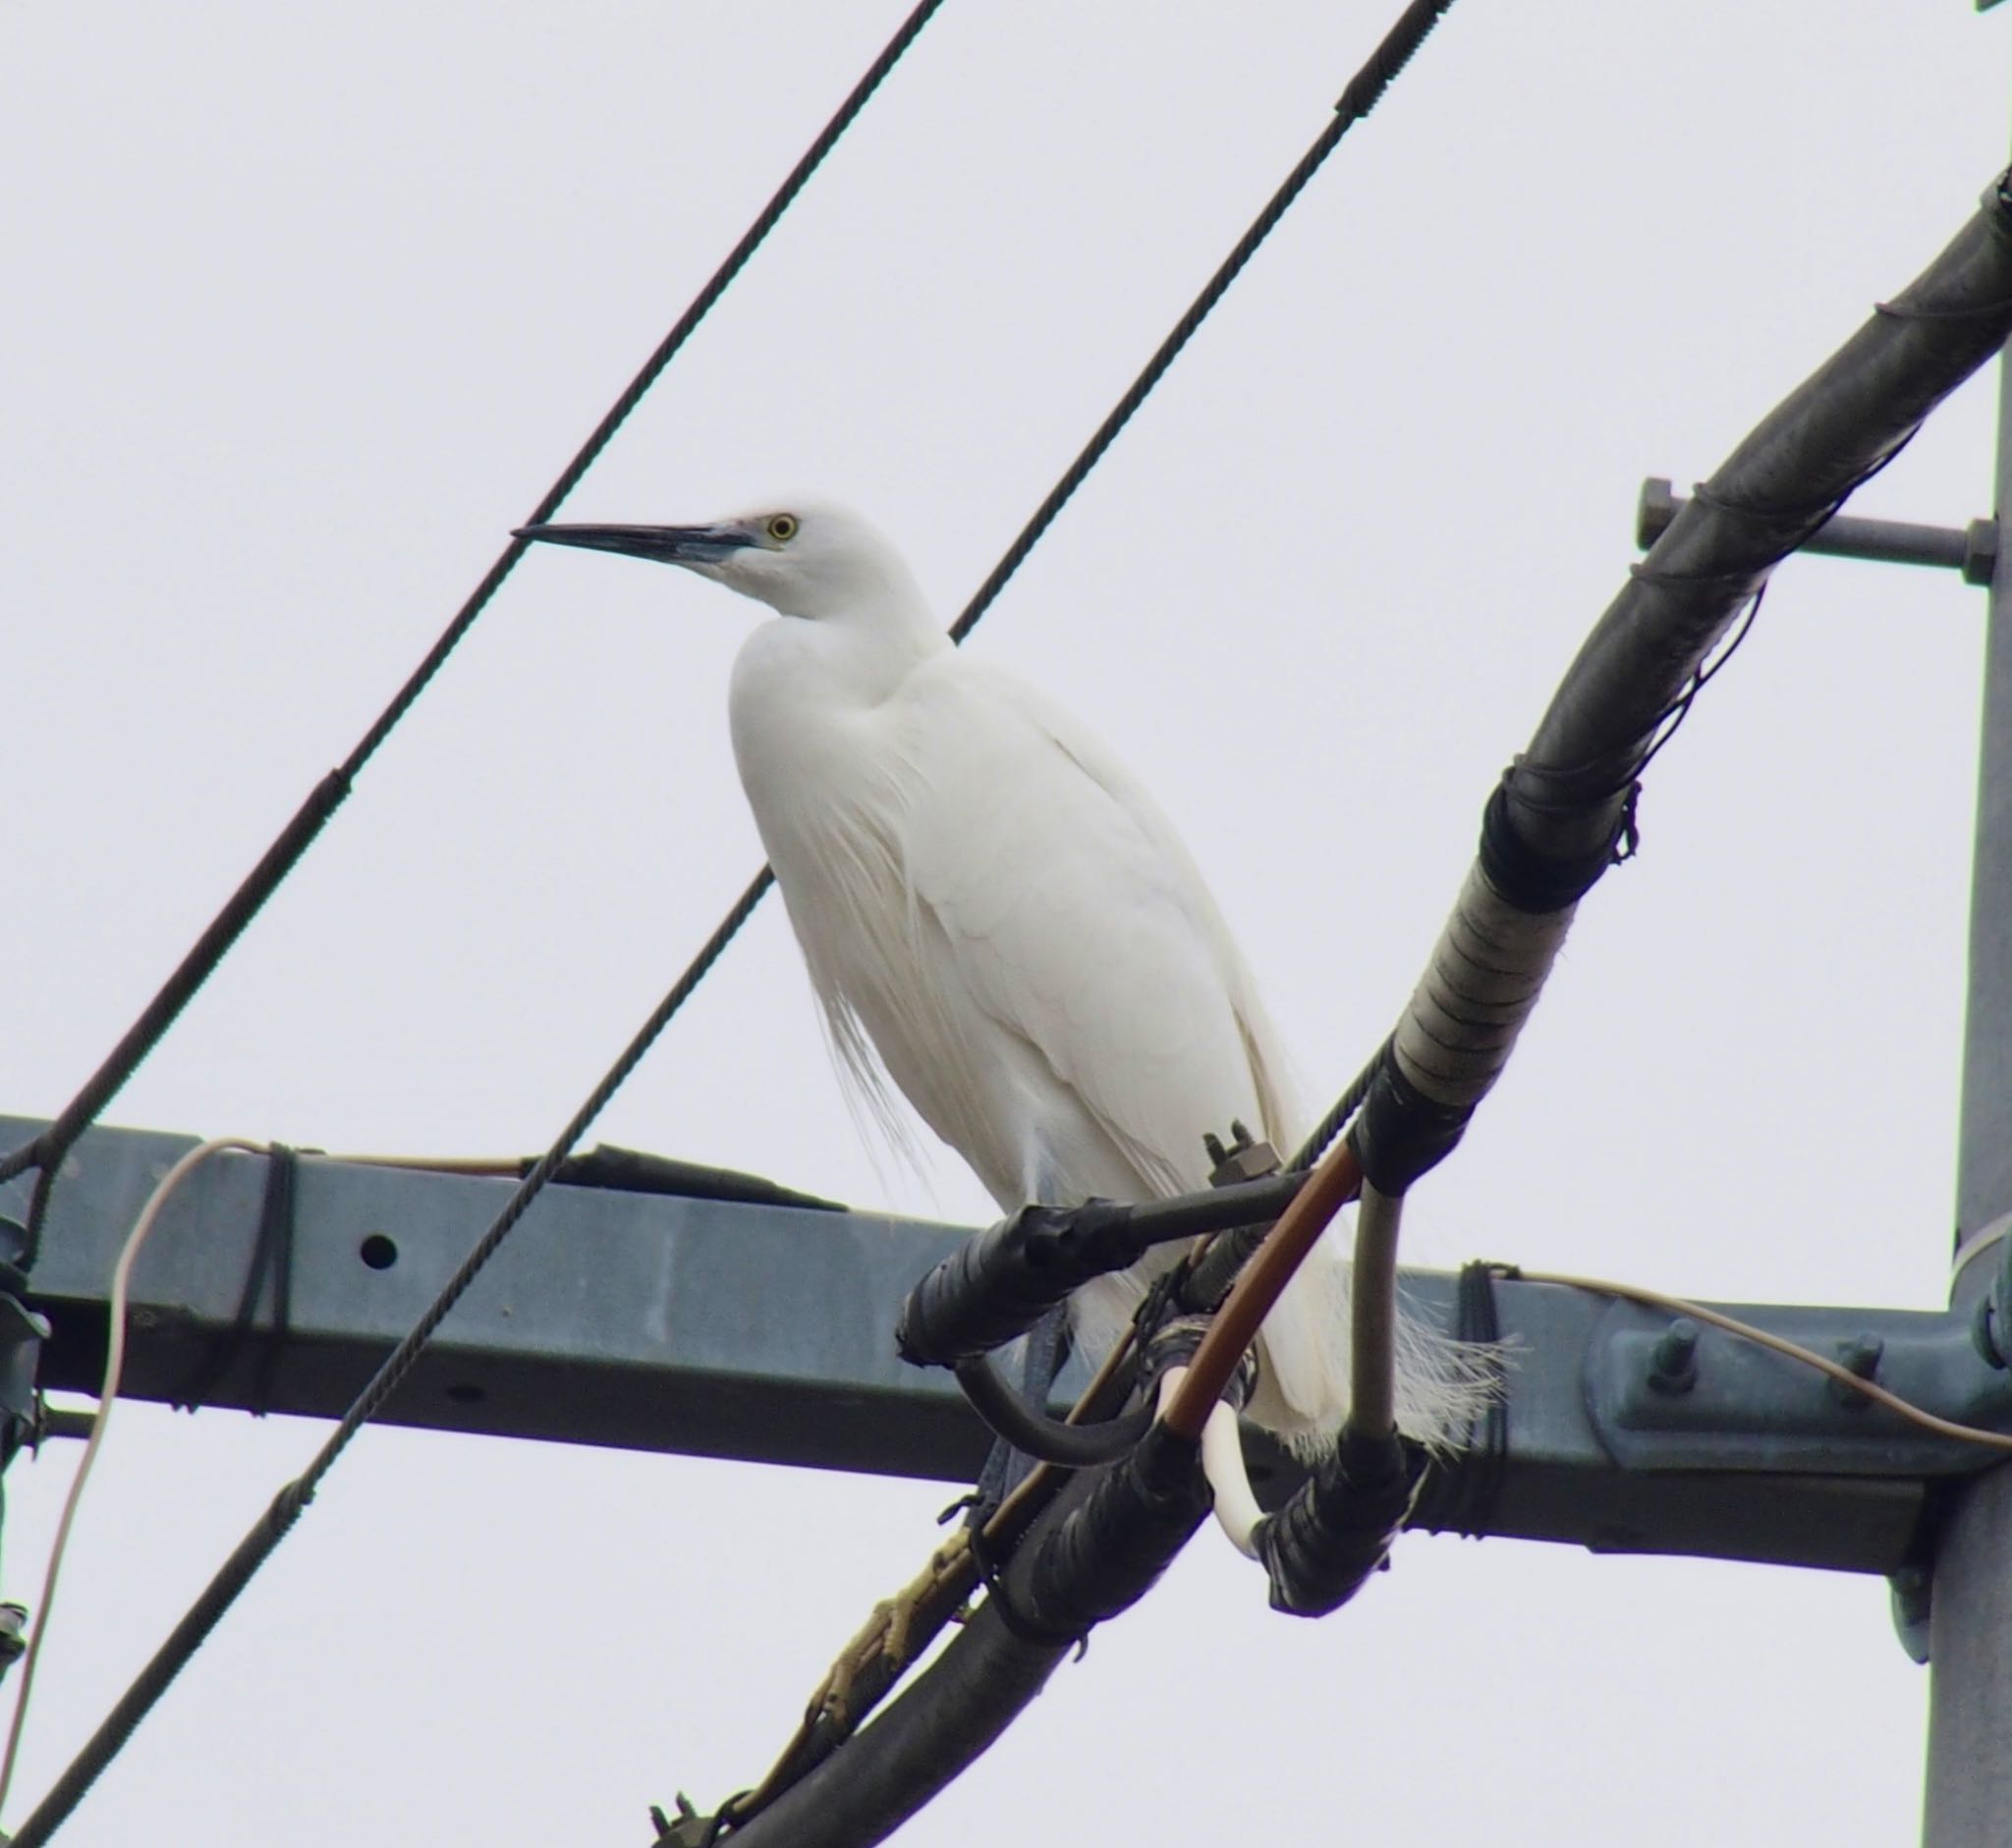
x,y
304,308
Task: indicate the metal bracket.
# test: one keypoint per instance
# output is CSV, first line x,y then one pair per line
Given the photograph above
x,y
1972,549
22,1335
763,1331
1672,1395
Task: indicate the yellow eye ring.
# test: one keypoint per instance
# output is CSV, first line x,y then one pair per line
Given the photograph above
x,y
782,528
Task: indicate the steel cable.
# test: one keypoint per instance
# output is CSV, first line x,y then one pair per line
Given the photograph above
x,y
272,1527
46,1152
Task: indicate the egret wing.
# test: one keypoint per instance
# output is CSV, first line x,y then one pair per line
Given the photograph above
x,y
1073,919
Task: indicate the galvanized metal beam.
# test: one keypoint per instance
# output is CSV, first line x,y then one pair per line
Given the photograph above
x,y
618,1318
767,1332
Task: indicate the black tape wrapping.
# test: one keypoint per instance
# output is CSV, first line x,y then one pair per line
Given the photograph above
x,y
1521,876
999,1284
1108,1551
1321,1546
1400,1133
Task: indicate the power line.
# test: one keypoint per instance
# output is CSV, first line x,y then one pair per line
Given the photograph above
x,y
45,1153
272,1527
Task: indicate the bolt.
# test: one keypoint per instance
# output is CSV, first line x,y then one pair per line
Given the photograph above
x,y
1858,1354
1673,1362
1984,1334
1980,551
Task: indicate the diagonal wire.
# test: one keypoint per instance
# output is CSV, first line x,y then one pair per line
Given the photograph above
x,y
1368,84
272,1527
46,1152
278,1520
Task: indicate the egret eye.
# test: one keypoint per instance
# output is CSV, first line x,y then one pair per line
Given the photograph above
x,y
782,528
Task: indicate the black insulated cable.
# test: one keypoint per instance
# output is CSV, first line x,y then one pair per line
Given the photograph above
x,y
1336,1120
45,1153
1568,794
1048,1439
1097,1550
947,1717
1320,1548
997,1286
1565,810
1106,1551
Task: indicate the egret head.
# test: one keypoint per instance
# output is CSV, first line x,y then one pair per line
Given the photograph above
x,y
801,558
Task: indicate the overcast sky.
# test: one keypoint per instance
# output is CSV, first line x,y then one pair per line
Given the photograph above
x,y
304,306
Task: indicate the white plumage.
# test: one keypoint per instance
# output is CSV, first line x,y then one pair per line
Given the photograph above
x,y
998,917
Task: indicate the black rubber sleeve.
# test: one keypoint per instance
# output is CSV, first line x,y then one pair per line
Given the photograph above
x,y
999,1284
1105,1554
1098,1550
1320,1548
1400,1133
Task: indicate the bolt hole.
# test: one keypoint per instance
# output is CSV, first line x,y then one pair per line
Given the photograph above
x,y
466,1394
378,1251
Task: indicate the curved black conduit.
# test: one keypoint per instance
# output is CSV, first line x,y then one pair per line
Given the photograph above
x,y
1564,811
1097,1550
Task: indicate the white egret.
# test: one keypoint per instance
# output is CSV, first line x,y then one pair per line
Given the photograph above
x,y
999,919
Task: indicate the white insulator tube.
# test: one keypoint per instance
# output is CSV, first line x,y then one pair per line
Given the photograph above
x,y
1237,1511
1223,1463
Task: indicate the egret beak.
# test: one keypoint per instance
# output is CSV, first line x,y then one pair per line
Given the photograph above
x,y
668,545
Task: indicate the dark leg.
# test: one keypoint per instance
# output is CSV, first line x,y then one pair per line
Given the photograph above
x,y
1045,1349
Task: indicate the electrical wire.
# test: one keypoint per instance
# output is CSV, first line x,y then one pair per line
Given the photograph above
x,y
108,1395
1780,1344
1336,1120
954,1578
1260,1284
46,1152
1373,1314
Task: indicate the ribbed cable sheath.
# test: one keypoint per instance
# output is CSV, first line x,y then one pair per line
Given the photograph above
x,y
1332,1124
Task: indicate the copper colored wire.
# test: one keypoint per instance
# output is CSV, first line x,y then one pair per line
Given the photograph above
x,y
1328,1189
